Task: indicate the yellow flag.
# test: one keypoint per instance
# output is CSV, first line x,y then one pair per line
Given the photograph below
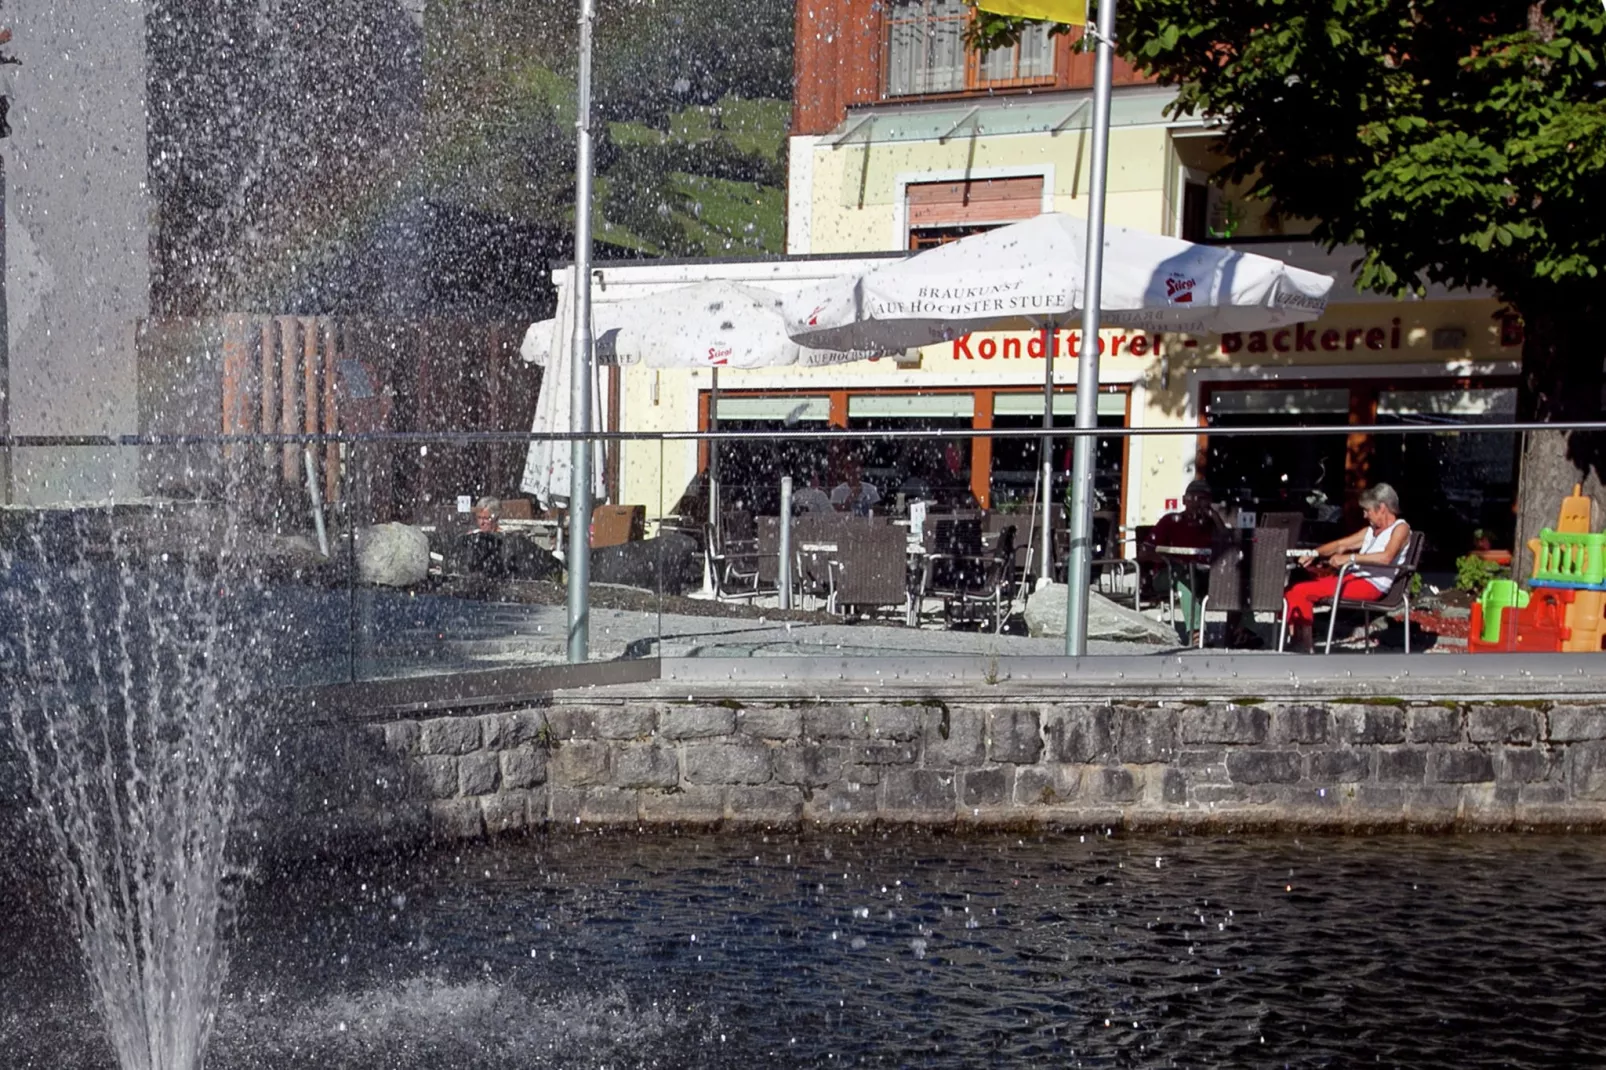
x,y
1071,12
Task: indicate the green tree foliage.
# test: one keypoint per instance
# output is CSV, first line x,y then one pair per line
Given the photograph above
x,y
688,124
1460,142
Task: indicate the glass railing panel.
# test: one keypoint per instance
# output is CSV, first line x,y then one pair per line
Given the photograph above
x,y
368,558
645,554
1220,589
451,568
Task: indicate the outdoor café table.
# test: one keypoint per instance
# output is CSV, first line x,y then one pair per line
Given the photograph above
x,y
1193,558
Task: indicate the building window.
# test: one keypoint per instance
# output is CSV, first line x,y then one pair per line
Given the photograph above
x,y
946,211
1451,484
931,237
926,46
941,212
926,52
1029,62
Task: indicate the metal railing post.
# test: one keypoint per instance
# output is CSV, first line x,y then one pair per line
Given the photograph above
x,y
1078,562
578,558
1046,496
784,569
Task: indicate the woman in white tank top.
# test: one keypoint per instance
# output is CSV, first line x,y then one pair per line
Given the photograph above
x,y
1381,542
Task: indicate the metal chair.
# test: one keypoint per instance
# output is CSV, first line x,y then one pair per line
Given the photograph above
x,y
769,552
1397,596
733,563
814,571
1226,585
1106,568
1289,522
1268,575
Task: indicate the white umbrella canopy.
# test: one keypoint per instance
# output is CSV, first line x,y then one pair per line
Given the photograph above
x,y
1029,275
716,324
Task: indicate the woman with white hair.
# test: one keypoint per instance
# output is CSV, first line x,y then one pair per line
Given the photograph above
x,y
1381,542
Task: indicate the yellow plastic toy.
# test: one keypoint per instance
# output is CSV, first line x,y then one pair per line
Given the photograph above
x,y
1584,618
1576,517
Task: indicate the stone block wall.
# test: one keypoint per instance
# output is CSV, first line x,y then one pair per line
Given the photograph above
x,y
1246,763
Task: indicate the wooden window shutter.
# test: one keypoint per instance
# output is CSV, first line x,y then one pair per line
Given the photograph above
x,y
977,201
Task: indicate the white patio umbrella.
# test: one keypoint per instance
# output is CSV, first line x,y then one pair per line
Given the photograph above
x,y
716,324
1029,275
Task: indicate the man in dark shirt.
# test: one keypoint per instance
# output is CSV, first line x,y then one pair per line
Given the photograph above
x,y
1197,527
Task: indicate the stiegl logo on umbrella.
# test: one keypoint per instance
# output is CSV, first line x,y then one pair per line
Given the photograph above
x,y
1179,289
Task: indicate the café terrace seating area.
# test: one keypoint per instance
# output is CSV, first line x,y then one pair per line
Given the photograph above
x,y
976,570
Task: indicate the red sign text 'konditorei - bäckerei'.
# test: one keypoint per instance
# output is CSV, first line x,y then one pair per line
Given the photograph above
x,y
1300,338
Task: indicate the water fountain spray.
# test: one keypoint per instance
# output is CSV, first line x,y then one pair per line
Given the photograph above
x,y
128,715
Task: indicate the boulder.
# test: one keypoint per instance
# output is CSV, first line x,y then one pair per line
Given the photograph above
x,y
668,564
1045,617
392,555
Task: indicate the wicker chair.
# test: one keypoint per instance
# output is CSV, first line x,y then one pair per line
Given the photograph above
x,y
972,583
871,569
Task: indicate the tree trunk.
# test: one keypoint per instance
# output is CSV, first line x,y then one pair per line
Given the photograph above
x,y
1561,381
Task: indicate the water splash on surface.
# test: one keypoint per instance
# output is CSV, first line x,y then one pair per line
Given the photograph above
x,y
446,1024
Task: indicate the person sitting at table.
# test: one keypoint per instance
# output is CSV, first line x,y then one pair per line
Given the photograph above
x,y
488,515
1381,542
853,494
811,498
1196,527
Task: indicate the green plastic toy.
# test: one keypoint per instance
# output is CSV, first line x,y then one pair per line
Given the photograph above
x,y
1498,595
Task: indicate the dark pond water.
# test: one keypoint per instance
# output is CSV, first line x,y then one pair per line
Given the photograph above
x,y
893,950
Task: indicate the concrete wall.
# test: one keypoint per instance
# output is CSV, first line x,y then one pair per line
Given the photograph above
x,y
1249,763
78,215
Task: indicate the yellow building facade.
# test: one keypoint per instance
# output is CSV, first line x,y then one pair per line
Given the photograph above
x,y
897,173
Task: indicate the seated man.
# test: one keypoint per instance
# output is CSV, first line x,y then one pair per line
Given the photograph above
x,y
812,497
1381,542
490,553
1197,527
853,494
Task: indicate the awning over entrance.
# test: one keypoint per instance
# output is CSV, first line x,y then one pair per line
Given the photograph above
x,y
1038,113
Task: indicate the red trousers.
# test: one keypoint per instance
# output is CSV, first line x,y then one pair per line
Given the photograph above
x,y
1303,596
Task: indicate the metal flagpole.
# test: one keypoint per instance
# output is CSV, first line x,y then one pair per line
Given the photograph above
x,y
579,555
1087,378
1045,496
